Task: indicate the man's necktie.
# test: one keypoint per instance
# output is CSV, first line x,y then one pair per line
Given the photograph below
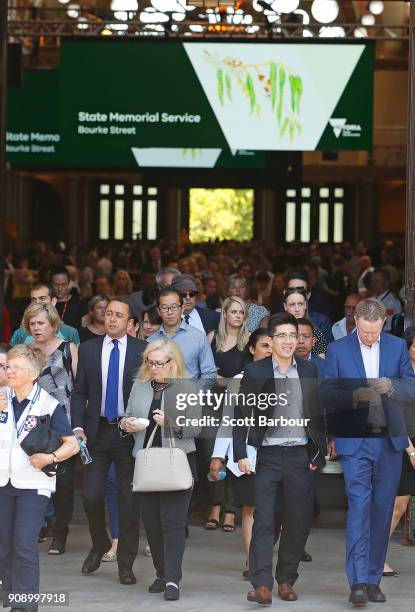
x,y
111,396
187,319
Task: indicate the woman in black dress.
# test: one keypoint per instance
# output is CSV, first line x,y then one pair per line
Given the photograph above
x,y
228,346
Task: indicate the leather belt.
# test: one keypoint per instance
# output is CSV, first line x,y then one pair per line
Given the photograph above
x,y
377,432
114,422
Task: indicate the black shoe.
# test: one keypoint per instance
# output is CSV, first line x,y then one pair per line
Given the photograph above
x,y
375,594
171,592
127,577
57,547
358,595
306,558
158,586
43,535
92,562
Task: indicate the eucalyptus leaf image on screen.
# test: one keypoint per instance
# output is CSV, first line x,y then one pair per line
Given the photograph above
x,y
284,96
271,82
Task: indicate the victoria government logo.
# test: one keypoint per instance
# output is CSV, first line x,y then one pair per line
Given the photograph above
x,y
347,130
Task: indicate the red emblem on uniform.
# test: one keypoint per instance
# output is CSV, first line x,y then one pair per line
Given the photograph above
x,y
31,422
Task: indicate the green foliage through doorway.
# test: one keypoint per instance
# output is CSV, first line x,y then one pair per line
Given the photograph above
x,y
221,214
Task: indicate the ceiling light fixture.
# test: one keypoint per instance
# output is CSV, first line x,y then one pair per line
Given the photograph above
x,y
360,33
73,11
325,11
285,6
376,7
368,20
332,32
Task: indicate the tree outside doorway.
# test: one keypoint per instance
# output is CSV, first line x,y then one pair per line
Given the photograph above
x,y
221,214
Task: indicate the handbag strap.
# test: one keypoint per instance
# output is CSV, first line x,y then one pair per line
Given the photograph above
x,y
172,442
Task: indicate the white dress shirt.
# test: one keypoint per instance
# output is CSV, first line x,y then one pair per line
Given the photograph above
x,y
370,356
107,347
288,435
196,321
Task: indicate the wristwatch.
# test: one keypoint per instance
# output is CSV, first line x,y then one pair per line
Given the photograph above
x,y
55,459
411,454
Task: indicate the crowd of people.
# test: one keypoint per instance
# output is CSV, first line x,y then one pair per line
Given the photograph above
x,y
97,341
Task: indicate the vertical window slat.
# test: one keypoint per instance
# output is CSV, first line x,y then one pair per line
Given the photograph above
x,y
104,219
323,222
152,220
290,221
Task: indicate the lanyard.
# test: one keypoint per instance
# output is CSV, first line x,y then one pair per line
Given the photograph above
x,y
28,408
64,308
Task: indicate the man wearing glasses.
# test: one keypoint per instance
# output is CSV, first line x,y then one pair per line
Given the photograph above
x,y
291,445
202,319
347,325
42,294
192,342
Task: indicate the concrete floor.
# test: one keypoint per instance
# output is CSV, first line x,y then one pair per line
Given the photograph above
x,y
212,577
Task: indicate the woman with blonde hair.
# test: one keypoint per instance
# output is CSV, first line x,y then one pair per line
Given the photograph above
x,y
164,513
41,321
228,348
123,285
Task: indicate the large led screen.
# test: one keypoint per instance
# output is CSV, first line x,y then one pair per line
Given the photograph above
x,y
197,104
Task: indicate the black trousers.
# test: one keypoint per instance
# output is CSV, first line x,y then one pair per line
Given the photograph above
x,y
63,500
110,447
287,468
219,492
165,518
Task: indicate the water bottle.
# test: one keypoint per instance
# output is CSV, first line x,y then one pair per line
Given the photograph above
x,y
83,451
221,476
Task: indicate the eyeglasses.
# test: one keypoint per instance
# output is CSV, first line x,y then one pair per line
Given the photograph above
x,y
172,307
281,336
14,368
157,364
3,367
188,294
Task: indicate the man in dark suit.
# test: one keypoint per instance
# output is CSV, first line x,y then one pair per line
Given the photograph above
x,y
369,380
106,369
202,318
287,456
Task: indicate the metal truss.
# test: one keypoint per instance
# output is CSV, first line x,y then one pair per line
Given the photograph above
x,y
91,26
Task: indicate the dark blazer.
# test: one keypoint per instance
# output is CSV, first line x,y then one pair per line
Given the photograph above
x,y
87,392
259,378
319,362
322,322
345,372
210,319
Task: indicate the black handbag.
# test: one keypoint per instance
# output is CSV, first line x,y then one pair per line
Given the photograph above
x,y
42,439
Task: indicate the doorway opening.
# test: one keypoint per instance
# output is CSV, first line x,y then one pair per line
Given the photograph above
x,y
221,214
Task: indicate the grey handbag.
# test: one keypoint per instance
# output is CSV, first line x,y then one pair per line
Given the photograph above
x,y
161,469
